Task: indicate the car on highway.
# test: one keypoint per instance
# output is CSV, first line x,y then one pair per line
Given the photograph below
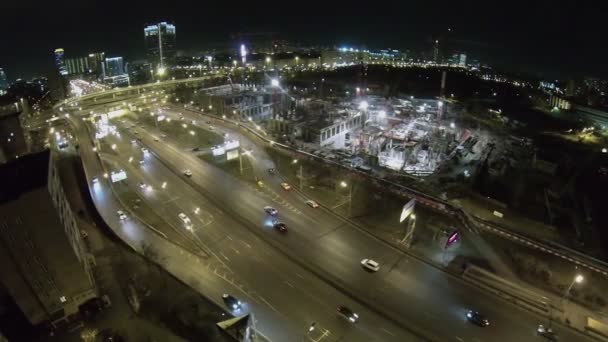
x,y
185,219
477,318
370,265
121,215
142,185
280,226
312,204
348,314
196,149
133,141
141,162
260,183
233,303
163,136
285,186
188,173
144,150
271,171
546,332
156,139
95,180
270,210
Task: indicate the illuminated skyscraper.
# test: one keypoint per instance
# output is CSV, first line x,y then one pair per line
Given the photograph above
x,y
60,62
160,44
94,60
114,66
78,65
3,82
436,55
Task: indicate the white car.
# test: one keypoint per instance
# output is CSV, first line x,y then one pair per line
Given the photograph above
x,y
142,185
285,186
141,161
185,219
271,211
312,204
95,180
156,139
370,264
133,141
188,173
144,150
121,215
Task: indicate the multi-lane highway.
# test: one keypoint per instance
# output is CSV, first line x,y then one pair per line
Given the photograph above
x,y
295,278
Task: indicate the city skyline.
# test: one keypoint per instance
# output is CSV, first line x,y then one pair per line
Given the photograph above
x,y
556,41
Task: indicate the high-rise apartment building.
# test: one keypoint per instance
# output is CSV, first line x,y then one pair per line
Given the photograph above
x,y
114,66
160,44
3,82
95,60
60,62
78,65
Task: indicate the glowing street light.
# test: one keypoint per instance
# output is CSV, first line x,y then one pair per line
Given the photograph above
x,y
192,133
363,105
161,71
164,185
452,125
274,82
343,184
382,114
577,280
604,150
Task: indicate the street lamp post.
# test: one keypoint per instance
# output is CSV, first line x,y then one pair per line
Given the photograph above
x,y
350,195
576,280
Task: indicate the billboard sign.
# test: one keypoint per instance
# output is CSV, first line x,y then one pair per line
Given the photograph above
x,y
218,151
232,154
118,176
408,209
231,144
452,238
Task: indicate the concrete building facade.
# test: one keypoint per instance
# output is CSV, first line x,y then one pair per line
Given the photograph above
x,y
42,258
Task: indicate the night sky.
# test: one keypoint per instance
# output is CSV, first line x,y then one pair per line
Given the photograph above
x,y
538,37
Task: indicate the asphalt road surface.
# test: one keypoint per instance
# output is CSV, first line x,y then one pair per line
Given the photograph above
x,y
304,274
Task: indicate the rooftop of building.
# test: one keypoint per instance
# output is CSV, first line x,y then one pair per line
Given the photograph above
x,y
39,267
24,174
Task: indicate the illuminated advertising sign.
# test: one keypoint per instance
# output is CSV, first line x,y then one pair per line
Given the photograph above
x,y
218,151
118,176
232,154
231,144
454,236
408,208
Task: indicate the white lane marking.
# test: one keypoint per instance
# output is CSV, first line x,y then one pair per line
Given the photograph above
x,y
288,284
235,250
459,338
270,305
225,257
229,238
388,332
299,275
246,244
